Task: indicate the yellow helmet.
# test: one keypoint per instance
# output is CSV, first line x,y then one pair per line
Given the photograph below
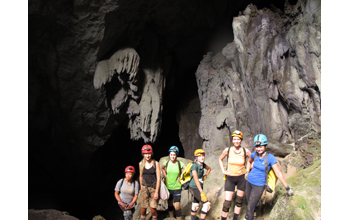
x,y
237,133
199,152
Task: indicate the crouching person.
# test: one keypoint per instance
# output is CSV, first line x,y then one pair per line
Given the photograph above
x,y
126,193
196,185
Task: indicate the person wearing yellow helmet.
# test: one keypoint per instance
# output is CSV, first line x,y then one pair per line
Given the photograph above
x,y
196,184
234,174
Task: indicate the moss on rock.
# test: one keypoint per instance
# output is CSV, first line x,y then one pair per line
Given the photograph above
x,y
306,201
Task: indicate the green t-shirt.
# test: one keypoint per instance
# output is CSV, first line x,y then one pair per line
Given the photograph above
x,y
172,173
200,173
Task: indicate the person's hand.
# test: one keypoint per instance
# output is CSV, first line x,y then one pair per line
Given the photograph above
x,y
246,176
225,172
289,191
123,205
203,197
130,205
155,197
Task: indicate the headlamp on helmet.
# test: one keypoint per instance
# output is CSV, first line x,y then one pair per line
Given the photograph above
x,y
260,140
146,149
199,152
174,149
237,133
129,169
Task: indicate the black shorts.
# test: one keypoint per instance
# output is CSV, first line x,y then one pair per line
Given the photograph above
x,y
196,194
232,181
175,194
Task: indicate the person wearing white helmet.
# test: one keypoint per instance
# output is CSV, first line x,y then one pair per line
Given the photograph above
x,y
234,175
172,169
256,177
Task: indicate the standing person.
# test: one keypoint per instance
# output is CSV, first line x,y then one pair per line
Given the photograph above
x,y
196,184
172,169
150,182
126,192
256,179
234,175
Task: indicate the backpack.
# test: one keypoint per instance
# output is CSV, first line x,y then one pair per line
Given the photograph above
x,y
123,182
270,176
228,155
185,177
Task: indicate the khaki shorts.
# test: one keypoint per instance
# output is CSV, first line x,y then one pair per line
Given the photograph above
x,y
147,199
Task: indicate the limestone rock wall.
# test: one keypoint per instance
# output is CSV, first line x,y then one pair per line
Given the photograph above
x,y
268,80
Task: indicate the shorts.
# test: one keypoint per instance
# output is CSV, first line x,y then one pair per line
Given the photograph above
x,y
232,181
147,200
175,194
196,195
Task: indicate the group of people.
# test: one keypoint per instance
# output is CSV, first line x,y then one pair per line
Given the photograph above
x,y
248,177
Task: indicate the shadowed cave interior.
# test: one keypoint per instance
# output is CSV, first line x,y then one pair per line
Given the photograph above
x,y
85,186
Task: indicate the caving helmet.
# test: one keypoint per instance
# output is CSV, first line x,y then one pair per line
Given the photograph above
x,y
146,149
129,169
260,139
237,133
199,152
174,149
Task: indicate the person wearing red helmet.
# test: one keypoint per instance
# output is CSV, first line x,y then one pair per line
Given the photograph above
x,y
126,192
150,182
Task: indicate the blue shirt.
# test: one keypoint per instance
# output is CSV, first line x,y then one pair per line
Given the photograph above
x,y
257,174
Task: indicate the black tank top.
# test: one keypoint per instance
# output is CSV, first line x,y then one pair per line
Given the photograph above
x,y
150,176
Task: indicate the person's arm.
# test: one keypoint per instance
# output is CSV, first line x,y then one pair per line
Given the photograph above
x,y
280,176
207,173
117,197
164,173
140,178
248,152
249,167
158,181
221,162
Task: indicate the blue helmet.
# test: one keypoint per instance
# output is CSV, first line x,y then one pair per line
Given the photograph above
x,y
260,139
174,149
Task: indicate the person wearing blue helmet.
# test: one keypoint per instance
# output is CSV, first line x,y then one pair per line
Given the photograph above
x,y
172,170
255,176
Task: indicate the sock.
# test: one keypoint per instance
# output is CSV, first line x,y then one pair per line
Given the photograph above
x,y
223,218
235,216
193,217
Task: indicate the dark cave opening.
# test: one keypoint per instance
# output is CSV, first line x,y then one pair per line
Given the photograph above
x,y
93,193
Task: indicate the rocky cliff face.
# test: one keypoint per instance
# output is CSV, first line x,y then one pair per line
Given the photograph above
x,y
106,77
268,80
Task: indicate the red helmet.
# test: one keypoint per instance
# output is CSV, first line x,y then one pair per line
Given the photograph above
x,y
146,149
129,169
